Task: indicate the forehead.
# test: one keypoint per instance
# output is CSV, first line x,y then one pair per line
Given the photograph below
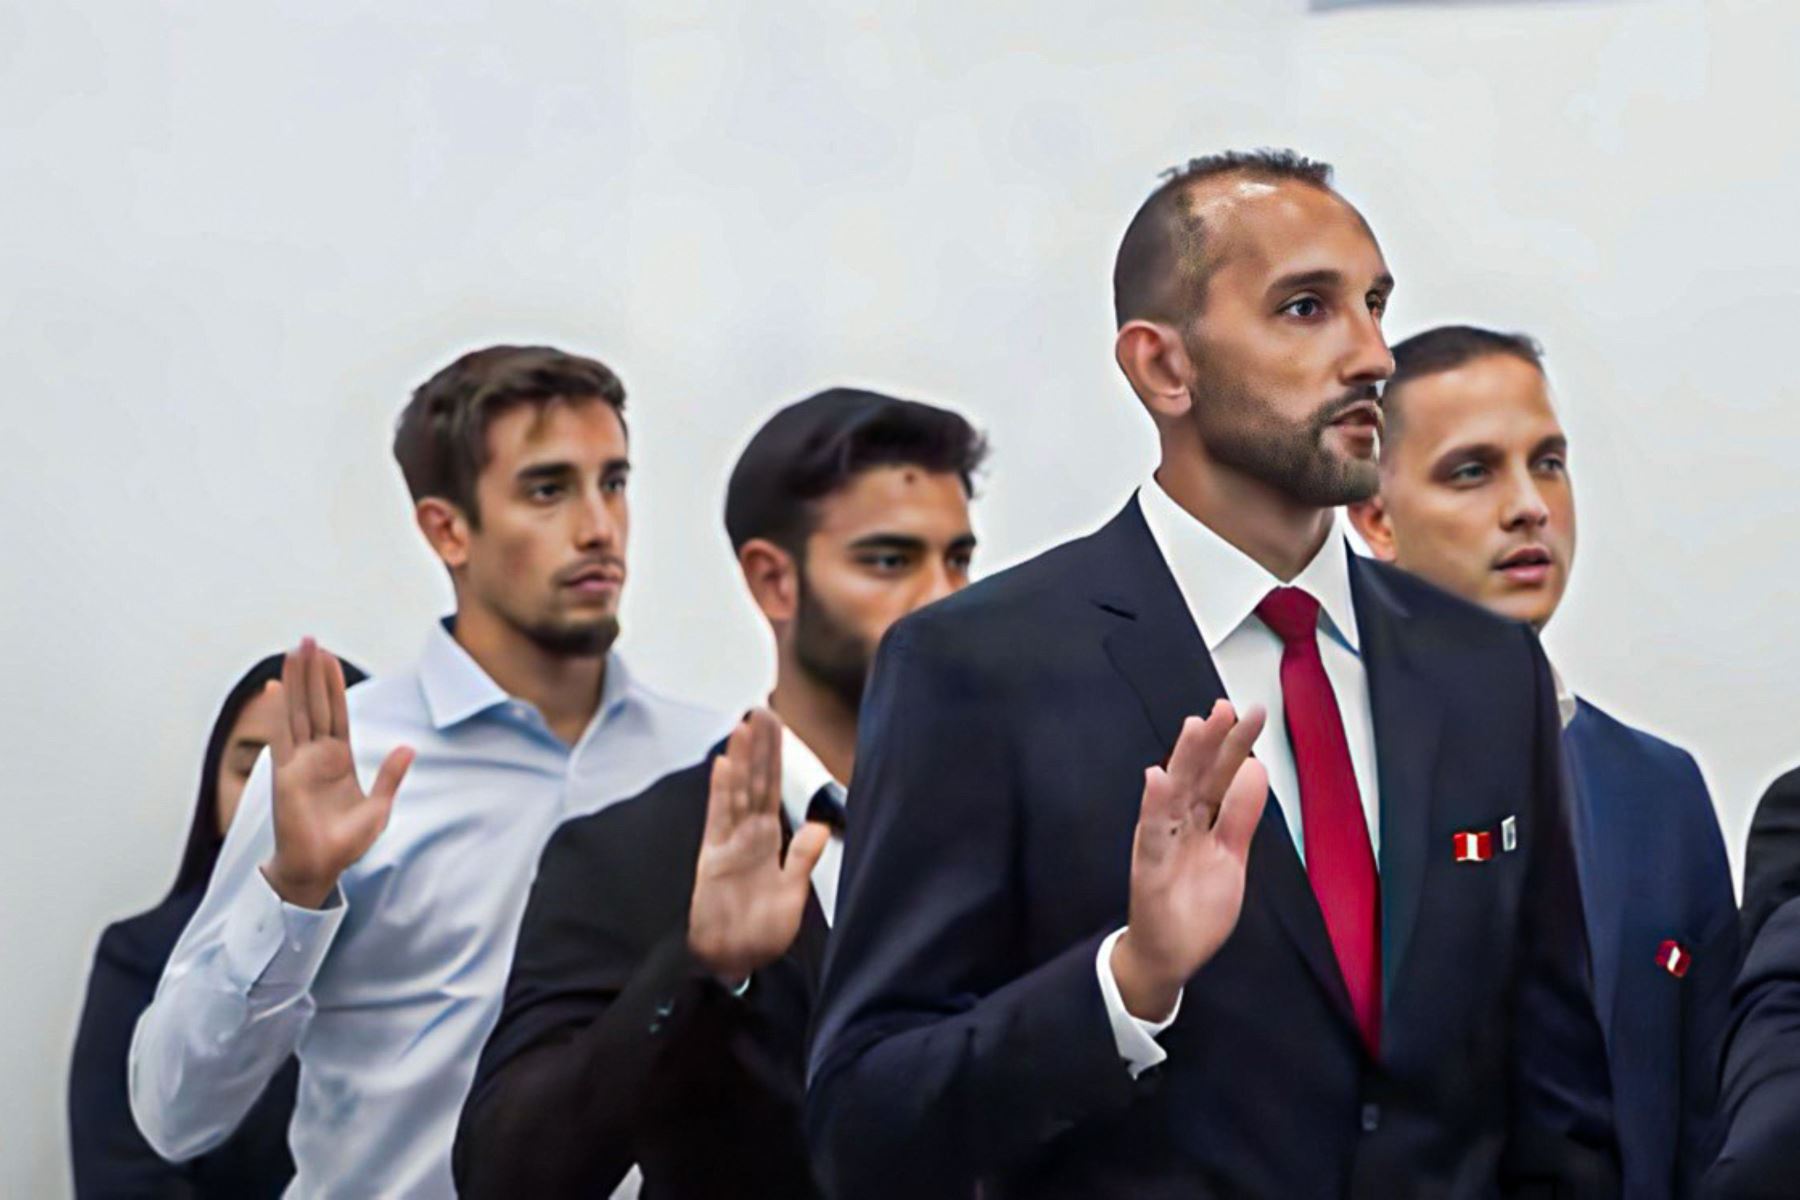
x,y
581,430
1260,230
897,499
256,720
1496,399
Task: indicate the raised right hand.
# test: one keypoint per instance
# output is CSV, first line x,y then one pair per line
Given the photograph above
x,y
1187,861
323,820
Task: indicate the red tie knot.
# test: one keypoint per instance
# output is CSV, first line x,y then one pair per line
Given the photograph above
x,y
1292,613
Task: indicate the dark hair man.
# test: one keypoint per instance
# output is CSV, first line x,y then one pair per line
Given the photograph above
x,y
1476,497
1374,986
370,934
657,1008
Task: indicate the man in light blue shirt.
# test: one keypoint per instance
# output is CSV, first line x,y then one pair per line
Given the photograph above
x,y
369,931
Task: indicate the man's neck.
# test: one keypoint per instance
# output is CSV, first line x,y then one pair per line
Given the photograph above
x,y
1276,531
818,718
564,688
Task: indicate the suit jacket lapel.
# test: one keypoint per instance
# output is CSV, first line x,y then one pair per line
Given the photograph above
x,y
1154,644
1407,720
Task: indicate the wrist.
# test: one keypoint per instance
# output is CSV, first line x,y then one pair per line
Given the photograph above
x,y
1146,993
296,888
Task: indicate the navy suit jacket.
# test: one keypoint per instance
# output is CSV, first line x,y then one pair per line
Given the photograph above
x,y
1653,870
962,1040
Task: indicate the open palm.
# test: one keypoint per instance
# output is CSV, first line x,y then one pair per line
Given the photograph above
x,y
1195,825
324,821
747,901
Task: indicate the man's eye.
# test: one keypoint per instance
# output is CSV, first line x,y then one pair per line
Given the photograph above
x,y
1553,464
543,491
1304,307
962,562
885,562
614,486
1468,473
1377,303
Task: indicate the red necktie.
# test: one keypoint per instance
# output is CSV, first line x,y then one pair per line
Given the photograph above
x,y
1339,860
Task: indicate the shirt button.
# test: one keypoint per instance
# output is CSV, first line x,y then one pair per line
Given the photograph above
x,y
1371,1118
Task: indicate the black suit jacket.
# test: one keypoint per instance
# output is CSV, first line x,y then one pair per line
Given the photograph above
x,y
614,1047
1760,1093
962,1036
111,1158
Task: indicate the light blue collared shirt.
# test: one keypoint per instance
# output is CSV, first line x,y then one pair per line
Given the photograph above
x,y
388,993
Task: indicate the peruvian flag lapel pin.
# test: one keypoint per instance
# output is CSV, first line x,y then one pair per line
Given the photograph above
x,y
1673,957
1474,846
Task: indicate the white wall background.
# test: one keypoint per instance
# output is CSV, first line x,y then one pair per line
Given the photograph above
x,y
232,239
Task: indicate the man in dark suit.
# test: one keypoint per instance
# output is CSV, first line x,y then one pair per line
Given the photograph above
x,y
668,959
1476,497
1062,970
1760,1089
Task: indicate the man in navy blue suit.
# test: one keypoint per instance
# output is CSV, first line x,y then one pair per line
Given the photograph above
x,y
1086,946
1475,496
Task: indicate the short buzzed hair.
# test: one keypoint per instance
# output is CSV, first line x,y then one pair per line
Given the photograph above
x,y
1446,348
1162,267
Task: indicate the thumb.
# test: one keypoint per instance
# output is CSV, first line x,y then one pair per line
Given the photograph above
x,y
804,851
393,770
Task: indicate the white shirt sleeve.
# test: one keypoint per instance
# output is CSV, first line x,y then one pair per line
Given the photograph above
x,y
235,997
1135,1037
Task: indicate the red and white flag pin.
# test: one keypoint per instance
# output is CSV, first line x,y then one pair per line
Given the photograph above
x,y
1474,846
1672,957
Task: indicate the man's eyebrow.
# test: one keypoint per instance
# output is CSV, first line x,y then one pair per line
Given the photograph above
x,y
1327,277
1481,451
545,470
1554,441
964,541
888,541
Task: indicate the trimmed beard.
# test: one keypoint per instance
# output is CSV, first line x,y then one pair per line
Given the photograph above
x,y
829,651
1289,457
591,639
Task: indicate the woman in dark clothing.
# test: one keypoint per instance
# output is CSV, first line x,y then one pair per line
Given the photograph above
x,y
111,1158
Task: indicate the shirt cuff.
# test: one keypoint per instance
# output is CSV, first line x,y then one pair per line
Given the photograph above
x,y
270,944
1134,1036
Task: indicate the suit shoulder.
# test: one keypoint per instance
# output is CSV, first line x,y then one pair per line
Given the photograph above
x,y
1039,588
1446,620
1657,754
631,829
1782,797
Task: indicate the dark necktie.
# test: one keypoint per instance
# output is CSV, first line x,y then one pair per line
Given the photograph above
x,y
1340,863
827,805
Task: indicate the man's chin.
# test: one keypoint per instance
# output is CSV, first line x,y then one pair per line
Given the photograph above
x,y
590,638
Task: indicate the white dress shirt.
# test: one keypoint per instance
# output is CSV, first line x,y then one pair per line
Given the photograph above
x,y
802,775
388,993
1222,587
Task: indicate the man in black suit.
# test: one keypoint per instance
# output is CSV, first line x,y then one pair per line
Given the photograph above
x,y
1760,1087
1351,966
669,954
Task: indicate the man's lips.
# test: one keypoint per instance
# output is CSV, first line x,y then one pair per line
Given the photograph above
x,y
594,580
1364,414
1526,565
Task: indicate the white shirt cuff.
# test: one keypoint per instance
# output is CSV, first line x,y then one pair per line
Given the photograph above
x,y
1134,1036
275,946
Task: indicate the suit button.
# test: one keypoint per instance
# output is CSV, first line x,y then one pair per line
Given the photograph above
x,y
664,1011
1371,1118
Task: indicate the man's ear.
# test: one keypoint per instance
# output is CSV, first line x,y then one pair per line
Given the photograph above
x,y
1370,517
773,578
446,528
1156,362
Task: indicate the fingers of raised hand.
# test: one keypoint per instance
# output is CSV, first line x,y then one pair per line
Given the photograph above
x,y
293,688
318,693
281,738
334,690
1234,749
393,770
1162,818
1197,746
720,819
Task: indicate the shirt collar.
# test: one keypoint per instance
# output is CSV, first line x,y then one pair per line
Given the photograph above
x,y
802,775
456,688
1565,699
1222,585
